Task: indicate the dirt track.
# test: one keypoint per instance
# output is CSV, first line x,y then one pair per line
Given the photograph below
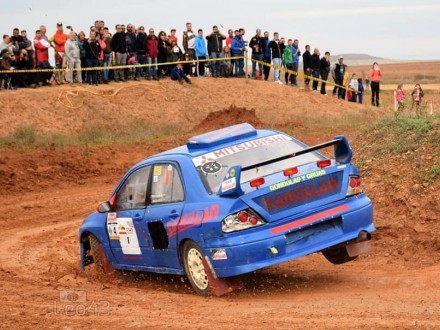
x,y
47,192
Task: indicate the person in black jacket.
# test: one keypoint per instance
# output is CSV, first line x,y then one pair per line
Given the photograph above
x,y
93,50
215,48
277,47
141,52
258,45
316,68
307,66
325,70
163,48
119,46
340,69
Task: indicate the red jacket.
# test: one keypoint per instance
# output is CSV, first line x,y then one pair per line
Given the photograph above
x,y
60,39
152,46
41,50
375,75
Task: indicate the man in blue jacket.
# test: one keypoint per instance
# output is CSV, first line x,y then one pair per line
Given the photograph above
x,y
296,53
200,47
237,49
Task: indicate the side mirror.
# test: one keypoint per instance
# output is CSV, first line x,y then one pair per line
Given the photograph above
x,y
104,207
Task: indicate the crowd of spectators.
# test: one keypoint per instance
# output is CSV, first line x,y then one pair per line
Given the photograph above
x,y
103,55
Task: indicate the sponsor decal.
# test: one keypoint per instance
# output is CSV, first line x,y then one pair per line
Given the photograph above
x,y
297,179
157,170
300,194
192,219
122,229
229,184
217,154
219,254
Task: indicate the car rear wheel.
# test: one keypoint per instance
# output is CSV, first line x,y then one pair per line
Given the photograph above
x,y
338,256
102,265
193,256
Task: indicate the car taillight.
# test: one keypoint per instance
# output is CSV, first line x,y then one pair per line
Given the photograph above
x,y
324,163
257,182
290,171
241,220
354,185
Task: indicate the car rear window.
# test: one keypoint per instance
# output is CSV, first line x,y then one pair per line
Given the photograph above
x,y
213,166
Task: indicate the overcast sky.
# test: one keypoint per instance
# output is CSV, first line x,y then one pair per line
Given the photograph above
x,y
395,29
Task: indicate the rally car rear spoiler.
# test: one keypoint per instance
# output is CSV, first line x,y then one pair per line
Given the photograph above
x,y
231,182
343,153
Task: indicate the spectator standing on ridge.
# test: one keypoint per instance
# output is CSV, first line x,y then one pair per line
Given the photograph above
x,y
42,58
215,47
172,36
200,47
162,54
43,31
258,45
141,52
375,76
288,61
119,46
93,50
8,44
229,38
367,84
107,54
27,44
188,41
152,53
277,50
361,91
80,40
60,39
307,66
340,69
325,70
355,86
237,49
267,59
316,69
296,53
17,40
400,98
417,95
73,58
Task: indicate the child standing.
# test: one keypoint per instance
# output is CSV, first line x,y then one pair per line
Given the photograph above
x,y
361,91
354,85
417,95
400,98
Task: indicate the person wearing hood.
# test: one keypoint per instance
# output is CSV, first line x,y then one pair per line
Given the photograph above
x,y
200,47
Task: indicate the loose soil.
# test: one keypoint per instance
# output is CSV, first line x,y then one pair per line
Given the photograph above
x,y
46,191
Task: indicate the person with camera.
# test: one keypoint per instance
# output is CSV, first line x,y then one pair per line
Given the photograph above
x,y
237,50
215,47
8,44
73,56
93,50
26,79
7,80
258,45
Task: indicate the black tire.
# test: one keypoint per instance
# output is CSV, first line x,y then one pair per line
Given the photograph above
x,y
338,256
192,259
102,265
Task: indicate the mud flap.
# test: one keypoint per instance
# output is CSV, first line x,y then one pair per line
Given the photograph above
x,y
106,265
356,249
220,286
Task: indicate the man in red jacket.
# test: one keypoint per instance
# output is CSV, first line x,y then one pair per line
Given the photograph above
x,y
42,57
60,39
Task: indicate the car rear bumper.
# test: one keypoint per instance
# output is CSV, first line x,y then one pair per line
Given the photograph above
x,y
291,239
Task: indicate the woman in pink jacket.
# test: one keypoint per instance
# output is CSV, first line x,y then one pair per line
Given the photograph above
x,y
375,75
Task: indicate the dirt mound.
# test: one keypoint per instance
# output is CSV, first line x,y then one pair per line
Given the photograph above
x,y
227,117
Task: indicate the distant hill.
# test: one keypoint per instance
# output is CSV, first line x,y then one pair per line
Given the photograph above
x,y
362,59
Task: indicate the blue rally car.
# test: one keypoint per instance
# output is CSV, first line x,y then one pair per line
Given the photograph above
x,y
227,203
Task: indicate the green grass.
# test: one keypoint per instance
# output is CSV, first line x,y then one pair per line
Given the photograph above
x,y
98,135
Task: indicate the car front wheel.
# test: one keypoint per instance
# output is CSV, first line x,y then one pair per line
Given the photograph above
x,y
193,256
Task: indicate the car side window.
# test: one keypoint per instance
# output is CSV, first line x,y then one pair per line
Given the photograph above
x,y
166,186
133,193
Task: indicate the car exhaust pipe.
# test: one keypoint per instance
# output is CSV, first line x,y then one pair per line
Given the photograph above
x,y
360,245
363,236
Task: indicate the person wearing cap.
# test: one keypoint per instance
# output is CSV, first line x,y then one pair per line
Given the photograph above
x,y
340,69
60,39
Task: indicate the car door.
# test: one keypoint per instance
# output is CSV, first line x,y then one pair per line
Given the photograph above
x,y
166,202
129,238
